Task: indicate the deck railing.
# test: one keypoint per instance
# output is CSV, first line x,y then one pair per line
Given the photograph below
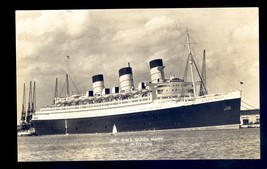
x,y
103,104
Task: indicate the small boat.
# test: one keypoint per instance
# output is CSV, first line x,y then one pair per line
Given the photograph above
x,y
114,130
29,132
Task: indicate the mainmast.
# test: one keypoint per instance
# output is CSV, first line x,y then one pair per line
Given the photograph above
x,y
56,91
191,61
67,77
68,85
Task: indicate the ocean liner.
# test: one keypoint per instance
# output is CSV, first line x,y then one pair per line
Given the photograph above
x,y
158,104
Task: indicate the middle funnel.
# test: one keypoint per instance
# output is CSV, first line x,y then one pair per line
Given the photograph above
x,y
126,79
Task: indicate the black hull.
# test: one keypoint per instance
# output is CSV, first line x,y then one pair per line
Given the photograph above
x,y
218,113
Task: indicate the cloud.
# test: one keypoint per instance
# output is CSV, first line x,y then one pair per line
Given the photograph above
x,y
162,54
160,23
246,34
51,21
156,38
236,60
154,32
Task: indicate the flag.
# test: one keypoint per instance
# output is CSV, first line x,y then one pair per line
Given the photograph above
x,y
241,83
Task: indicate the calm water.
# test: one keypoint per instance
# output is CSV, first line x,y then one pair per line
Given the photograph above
x,y
156,145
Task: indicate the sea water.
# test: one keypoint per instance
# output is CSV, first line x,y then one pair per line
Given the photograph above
x,y
150,145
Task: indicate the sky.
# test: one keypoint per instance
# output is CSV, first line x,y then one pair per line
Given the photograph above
x,y
103,41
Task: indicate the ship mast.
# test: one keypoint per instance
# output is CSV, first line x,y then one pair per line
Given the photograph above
x,y
56,91
67,77
191,61
203,89
67,83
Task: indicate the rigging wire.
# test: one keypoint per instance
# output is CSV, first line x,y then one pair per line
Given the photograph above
x,y
195,61
173,50
180,70
249,104
60,94
225,80
245,107
68,71
74,85
247,98
183,50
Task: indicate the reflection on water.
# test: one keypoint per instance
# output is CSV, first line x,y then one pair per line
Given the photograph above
x,y
155,145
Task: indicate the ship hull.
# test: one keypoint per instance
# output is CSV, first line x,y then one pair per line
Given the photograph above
x,y
220,113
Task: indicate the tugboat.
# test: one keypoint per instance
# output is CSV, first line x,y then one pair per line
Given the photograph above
x,y
27,132
26,128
